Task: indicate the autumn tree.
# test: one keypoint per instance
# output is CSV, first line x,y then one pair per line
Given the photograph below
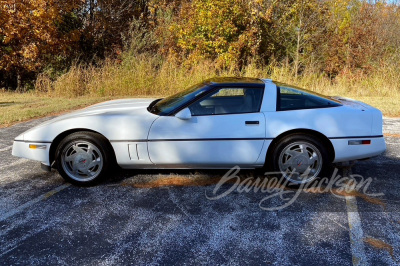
x,y
105,22
32,33
359,34
332,36
294,27
223,30
237,32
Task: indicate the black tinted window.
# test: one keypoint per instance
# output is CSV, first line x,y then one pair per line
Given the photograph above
x,y
229,101
293,99
167,105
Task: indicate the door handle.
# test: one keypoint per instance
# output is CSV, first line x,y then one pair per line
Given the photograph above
x,y
252,122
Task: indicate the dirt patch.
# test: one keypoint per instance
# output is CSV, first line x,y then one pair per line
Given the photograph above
x,y
204,180
360,195
392,135
379,244
175,181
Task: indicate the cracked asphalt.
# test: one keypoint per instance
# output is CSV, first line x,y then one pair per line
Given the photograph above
x,y
164,217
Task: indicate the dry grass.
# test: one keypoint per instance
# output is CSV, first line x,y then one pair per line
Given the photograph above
x,y
17,107
150,76
133,76
389,105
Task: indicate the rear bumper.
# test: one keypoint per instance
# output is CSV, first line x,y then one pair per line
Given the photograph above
x,y
21,149
346,152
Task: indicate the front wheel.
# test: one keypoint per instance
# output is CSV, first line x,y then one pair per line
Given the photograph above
x,y
300,158
83,158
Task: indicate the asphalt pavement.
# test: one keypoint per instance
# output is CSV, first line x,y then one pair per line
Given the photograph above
x,y
168,217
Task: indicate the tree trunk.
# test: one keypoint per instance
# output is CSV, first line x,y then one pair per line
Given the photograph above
x,y
19,82
296,62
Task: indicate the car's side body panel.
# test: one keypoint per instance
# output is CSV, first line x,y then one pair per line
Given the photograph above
x,y
223,140
345,152
120,120
132,154
21,149
331,122
352,121
141,139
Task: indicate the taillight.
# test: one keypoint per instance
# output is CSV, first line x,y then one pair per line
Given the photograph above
x,y
360,142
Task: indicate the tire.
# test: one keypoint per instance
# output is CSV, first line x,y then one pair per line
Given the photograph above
x,y
300,158
84,158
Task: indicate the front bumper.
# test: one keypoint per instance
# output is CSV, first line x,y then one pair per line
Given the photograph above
x,y
346,152
22,149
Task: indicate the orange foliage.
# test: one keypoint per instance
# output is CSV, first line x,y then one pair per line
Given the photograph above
x,y
31,30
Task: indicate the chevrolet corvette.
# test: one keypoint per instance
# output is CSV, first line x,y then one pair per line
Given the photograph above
x,y
219,123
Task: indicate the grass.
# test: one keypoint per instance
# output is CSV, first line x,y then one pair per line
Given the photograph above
x,y
17,107
389,106
146,75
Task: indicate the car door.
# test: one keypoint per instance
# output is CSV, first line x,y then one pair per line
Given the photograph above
x,y
226,128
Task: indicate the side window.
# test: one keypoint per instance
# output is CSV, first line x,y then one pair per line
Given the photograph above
x,y
229,101
294,99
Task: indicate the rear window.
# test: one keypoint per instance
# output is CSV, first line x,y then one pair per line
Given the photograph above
x,y
290,98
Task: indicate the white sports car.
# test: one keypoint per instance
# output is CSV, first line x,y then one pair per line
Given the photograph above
x,y
219,123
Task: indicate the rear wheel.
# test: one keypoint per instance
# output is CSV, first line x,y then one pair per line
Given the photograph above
x,y
84,158
300,158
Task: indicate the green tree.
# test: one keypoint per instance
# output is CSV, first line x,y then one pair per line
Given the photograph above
x,y
221,30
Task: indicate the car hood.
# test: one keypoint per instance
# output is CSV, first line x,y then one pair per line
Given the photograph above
x,y
119,104
103,118
114,107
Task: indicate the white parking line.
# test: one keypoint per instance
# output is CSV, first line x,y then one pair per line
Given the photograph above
x,y
31,202
356,232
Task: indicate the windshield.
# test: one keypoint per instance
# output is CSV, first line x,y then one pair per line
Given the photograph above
x,y
167,105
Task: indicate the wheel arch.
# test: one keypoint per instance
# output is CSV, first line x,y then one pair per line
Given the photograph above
x,y
61,136
324,139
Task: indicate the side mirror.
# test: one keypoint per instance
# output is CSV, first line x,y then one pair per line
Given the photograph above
x,y
184,114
